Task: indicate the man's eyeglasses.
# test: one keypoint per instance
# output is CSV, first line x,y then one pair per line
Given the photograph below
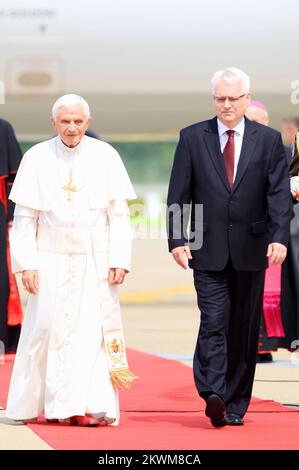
x,y
231,99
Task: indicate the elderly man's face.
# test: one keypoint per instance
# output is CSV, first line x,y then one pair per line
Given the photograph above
x,y
230,102
71,124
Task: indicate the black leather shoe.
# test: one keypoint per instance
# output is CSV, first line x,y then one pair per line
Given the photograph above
x,y
262,358
215,410
232,419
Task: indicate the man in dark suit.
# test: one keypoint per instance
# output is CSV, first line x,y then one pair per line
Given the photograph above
x,y
237,170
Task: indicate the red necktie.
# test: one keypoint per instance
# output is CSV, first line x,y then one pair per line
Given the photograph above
x,y
229,157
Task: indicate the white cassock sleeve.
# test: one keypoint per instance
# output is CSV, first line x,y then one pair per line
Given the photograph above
x,y
22,237
120,235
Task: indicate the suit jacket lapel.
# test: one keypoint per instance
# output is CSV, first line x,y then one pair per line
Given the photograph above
x,y
248,145
211,138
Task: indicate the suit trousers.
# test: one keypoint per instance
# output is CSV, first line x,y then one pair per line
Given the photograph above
x,y
230,304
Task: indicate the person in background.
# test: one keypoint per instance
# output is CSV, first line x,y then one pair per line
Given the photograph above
x,y
290,268
10,304
258,112
289,129
287,317
92,134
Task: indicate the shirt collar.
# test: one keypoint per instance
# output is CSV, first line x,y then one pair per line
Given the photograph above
x,y
239,128
67,150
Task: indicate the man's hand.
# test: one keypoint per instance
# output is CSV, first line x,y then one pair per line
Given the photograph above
x,y
30,281
181,254
294,184
276,253
117,275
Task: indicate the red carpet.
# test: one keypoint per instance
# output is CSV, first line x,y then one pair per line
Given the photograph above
x,y
163,411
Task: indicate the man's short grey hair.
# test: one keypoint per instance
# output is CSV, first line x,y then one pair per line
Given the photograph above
x,y
69,101
231,75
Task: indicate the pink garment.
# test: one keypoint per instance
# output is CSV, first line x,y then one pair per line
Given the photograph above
x,y
258,104
271,303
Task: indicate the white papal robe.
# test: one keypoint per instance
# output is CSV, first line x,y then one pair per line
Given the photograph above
x,y
61,368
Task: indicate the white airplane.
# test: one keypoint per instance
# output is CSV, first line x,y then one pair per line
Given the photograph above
x,y
143,65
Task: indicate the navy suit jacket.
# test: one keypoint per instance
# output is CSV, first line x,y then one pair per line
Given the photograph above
x,y
237,223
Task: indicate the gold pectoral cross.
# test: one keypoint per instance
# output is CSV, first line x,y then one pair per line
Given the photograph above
x,y
70,188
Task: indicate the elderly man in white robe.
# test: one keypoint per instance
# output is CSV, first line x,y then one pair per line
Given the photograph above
x,y
71,240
